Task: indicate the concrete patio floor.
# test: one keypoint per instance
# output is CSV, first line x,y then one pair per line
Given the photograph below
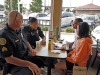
x,y
91,71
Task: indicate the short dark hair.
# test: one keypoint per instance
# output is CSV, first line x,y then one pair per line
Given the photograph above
x,y
79,19
32,19
83,30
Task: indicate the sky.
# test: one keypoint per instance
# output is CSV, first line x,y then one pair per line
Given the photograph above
x,y
65,3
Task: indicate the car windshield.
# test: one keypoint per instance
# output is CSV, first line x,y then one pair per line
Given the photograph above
x,y
64,14
89,18
42,15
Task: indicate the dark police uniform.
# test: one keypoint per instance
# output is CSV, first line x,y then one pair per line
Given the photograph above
x,y
32,35
13,43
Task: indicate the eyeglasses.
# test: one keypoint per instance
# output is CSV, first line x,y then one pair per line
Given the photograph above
x,y
15,16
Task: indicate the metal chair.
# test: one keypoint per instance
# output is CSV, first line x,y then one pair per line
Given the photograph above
x,y
97,57
70,72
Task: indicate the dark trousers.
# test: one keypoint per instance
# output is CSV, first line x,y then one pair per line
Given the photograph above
x,y
16,70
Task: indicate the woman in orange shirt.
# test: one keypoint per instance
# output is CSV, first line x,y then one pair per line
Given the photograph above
x,y
81,53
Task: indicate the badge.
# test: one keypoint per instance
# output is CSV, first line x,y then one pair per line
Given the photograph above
x,y
2,41
21,35
4,49
17,40
37,31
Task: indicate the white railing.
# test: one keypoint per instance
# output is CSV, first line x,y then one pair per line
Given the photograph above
x,y
4,20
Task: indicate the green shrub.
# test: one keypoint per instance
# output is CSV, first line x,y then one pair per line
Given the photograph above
x,y
69,30
44,28
90,30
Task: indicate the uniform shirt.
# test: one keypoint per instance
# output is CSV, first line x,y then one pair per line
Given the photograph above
x,y
32,35
12,43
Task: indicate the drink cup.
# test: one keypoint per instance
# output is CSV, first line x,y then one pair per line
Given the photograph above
x,y
37,44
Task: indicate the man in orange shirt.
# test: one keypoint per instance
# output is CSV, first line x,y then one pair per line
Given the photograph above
x,y
80,54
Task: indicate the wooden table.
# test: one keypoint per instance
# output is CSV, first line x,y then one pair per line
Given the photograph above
x,y
43,51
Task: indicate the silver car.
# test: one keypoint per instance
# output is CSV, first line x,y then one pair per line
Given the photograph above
x,y
37,15
96,33
67,19
90,19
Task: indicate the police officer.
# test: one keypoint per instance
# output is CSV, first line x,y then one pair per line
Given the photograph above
x,y
16,50
33,32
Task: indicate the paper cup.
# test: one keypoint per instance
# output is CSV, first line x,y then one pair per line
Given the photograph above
x,y
37,43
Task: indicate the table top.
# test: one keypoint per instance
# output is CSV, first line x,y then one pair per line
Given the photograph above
x,y
44,52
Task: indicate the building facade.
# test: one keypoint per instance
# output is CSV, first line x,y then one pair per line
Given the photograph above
x,y
88,9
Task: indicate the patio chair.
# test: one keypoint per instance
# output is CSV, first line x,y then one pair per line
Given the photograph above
x,y
70,72
97,56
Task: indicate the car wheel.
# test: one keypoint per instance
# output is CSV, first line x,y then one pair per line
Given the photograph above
x,y
71,23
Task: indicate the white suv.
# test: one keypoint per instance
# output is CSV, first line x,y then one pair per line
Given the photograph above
x,y
67,19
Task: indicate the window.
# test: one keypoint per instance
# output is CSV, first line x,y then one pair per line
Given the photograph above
x,y
66,15
42,15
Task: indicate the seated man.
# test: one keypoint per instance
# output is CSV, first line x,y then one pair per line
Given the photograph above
x,y
32,32
15,48
73,44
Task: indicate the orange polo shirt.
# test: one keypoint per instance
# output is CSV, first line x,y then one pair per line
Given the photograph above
x,y
82,51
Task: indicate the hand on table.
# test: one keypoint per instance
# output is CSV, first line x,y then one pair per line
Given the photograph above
x,y
43,41
64,46
35,69
33,52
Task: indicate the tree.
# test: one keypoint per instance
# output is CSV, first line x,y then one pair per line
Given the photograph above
x,y
73,10
36,6
67,9
14,5
6,5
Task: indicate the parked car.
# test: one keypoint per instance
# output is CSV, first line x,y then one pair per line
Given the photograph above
x,y
98,15
2,15
90,19
37,15
96,33
80,16
67,19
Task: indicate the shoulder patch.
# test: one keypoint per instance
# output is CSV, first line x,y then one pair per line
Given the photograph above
x,y
22,35
2,41
4,49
